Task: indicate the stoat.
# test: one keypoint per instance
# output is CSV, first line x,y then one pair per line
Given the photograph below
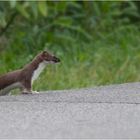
x,y
24,78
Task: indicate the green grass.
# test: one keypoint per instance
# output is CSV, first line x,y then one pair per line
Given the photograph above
x,y
107,59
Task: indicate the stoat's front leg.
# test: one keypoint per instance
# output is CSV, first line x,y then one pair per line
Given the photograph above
x,y
35,92
26,87
25,91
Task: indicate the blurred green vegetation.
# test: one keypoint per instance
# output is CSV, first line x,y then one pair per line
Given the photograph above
x,y
98,42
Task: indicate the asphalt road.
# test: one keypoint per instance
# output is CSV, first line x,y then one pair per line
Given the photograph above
x,y
102,112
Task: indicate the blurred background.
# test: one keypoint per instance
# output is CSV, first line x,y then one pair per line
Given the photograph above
x,y
98,42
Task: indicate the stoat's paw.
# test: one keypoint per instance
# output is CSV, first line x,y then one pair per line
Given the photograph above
x,y
35,92
25,92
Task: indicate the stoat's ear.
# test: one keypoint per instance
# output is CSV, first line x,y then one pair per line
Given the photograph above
x,y
44,53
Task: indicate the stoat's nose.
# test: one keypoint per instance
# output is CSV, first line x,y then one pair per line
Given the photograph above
x,y
55,59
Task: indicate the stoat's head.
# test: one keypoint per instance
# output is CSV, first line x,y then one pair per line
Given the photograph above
x,y
49,58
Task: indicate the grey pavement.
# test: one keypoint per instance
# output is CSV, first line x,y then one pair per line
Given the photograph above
x,y
102,112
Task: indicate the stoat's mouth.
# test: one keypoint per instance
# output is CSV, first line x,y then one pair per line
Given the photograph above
x,y
56,60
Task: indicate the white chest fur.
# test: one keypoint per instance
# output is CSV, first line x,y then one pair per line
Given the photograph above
x,y
38,71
